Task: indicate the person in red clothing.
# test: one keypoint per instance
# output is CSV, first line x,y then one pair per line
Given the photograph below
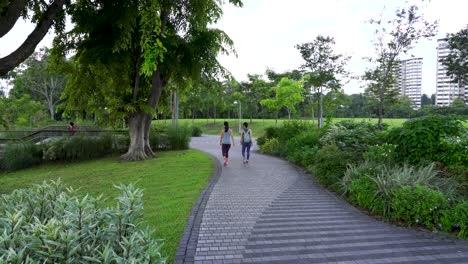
x,y
71,129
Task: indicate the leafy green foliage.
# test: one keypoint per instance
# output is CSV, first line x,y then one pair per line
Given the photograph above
x,y
356,136
398,37
51,223
79,148
455,150
323,66
359,160
171,186
456,219
196,131
179,137
138,48
20,111
419,139
302,148
288,94
330,165
457,60
363,191
418,205
272,146
43,78
18,156
392,178
381,154
275,139
361,170
120,143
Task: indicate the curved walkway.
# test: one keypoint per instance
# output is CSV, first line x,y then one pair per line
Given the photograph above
x,y
271,212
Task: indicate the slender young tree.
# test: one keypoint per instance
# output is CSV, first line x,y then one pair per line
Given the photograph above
x,y
457,60
288,94
323,66
392,39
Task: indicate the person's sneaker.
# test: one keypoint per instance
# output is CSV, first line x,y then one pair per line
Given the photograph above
x,y
225,163
246,161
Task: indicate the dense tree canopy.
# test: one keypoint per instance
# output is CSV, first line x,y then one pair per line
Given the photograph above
x,y
138,47
43,78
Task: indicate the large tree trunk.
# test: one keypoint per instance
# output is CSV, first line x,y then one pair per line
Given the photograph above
x,y
136,128
139,124
158,81
9,62
147,129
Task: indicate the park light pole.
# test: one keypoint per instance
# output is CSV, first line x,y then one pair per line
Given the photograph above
x,y
240,113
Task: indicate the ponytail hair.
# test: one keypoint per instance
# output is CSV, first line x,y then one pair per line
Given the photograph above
x,y
226,126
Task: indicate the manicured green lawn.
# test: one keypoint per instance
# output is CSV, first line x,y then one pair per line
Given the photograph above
x,y
171,186
214,126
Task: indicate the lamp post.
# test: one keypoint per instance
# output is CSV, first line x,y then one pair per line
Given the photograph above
x,y
240,113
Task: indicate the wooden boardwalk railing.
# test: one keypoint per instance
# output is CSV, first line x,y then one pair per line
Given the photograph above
x,y
39,135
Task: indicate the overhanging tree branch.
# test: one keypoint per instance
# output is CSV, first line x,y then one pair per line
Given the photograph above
x,y
9,62
9,18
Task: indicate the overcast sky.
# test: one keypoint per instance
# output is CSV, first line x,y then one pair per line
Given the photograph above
x,y
265,33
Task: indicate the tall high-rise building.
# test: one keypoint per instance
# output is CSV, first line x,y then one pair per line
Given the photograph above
x,y
446,90
408,79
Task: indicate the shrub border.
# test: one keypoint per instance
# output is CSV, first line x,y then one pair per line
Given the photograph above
x,y
189,241
344,202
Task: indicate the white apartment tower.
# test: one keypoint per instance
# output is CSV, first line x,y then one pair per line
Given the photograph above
x,y
446,90
408,79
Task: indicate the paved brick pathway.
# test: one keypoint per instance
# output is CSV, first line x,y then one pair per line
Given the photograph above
x,y
271,212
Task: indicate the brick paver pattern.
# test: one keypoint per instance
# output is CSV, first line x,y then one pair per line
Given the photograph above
x,y
271,212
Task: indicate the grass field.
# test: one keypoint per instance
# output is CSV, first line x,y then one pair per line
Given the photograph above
x,y
214,126
170,186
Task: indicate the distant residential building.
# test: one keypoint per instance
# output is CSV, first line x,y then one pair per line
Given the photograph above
x,y
446,90
408,79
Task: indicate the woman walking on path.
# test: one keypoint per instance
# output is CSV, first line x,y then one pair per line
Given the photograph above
x,y
246,141
225,141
